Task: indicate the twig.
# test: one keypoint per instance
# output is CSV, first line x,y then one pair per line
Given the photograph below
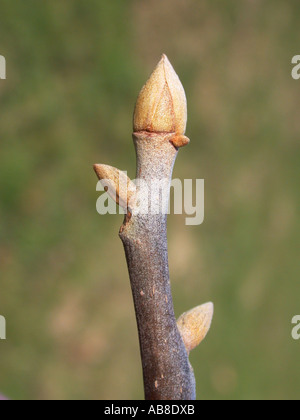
x,y
159,126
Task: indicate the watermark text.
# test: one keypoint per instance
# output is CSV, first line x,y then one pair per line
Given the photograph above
x,y
2,67
296,329
153,198
2,328
296,68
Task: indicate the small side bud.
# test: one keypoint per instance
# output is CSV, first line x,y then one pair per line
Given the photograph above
x,y
179,140
161,104
117,184
195,324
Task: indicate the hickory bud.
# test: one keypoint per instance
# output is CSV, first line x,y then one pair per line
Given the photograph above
x,y
117,184
195,324
161,105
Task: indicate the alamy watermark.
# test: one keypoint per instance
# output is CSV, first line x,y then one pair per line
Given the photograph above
x,y
188,198
296,329
2,67
296,68
2,328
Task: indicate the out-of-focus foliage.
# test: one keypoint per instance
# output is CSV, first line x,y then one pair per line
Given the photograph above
x,y
74,70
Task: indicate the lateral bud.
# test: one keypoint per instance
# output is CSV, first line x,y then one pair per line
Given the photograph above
x,y
117,184
195,324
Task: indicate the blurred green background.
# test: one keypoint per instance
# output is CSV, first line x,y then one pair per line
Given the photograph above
x,y
74,70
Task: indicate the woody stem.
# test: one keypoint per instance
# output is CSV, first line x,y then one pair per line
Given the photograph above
x,y
166,369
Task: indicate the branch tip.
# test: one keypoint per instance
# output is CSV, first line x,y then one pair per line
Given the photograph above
x,y
161,104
